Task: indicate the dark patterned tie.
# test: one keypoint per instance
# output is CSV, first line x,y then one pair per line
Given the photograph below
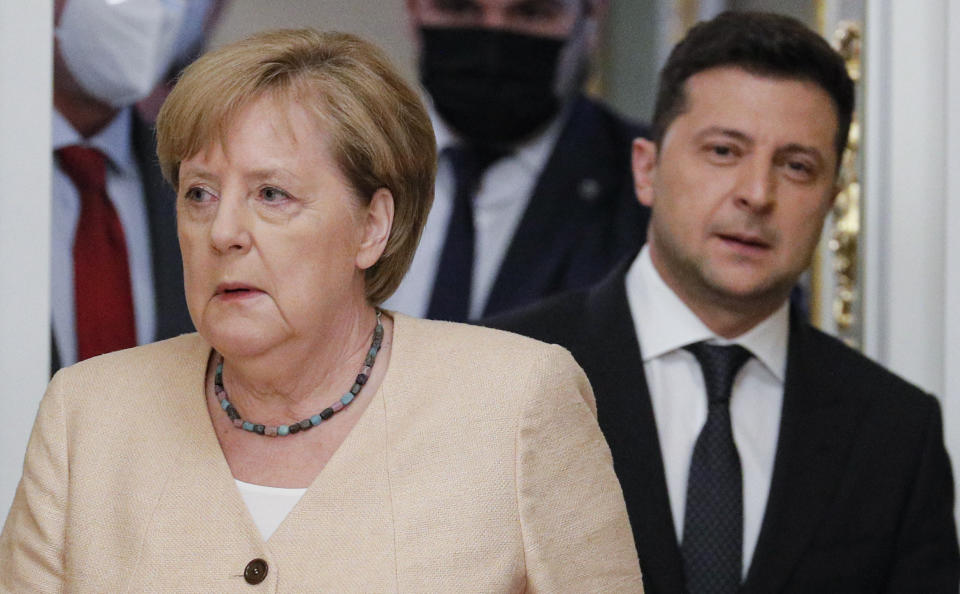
x,y
101,273
451,288
713,519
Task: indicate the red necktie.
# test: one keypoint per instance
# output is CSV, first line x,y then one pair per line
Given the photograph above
x,y
101,274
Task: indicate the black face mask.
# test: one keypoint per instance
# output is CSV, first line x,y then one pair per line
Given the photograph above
x,y
493,87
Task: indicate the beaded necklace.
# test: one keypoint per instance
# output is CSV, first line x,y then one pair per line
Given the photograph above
x,y
308,423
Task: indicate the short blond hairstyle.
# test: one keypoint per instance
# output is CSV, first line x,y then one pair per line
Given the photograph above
x,y
380,133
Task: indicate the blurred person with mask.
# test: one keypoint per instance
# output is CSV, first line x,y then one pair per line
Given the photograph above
x,y
116,277
533,193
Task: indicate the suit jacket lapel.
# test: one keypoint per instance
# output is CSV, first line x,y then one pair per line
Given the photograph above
x,y
614,364
815,437
160,202
575,177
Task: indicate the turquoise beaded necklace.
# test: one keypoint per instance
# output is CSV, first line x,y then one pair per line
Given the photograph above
x,y
308,423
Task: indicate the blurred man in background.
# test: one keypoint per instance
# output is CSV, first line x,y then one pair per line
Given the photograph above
x,y
116,279
533,190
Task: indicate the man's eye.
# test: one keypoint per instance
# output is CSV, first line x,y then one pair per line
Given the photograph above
x,y
457,7
721,152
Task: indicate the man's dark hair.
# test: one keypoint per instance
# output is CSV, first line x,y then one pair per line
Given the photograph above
x,y
763,44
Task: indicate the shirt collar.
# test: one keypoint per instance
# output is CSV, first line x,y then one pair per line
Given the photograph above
x,y
114,140
663,322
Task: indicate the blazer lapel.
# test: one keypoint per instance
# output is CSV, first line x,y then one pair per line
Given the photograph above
x,y
811,455
614,364
574,181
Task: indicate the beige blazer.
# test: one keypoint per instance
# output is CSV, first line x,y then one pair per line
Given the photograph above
x,y
477,467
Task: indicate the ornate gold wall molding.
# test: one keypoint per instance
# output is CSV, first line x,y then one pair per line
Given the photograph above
x,y
844,225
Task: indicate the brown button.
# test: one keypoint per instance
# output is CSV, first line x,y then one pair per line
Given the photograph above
x,y
255,572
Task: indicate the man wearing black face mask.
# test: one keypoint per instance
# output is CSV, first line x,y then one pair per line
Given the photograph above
x,y
533,193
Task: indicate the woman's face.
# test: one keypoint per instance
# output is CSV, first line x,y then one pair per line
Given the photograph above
x,y
272,236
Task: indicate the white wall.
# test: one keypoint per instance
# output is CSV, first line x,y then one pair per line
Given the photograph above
x,y
951,338
380,21
25,92
912,190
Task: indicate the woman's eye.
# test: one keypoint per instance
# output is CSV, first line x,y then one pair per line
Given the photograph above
x,y
197,194
273,195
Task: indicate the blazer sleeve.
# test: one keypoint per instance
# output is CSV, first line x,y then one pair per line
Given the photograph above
x,y
574,525
926,556
31,545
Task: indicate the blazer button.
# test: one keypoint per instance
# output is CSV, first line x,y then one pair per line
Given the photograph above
x,y
255,572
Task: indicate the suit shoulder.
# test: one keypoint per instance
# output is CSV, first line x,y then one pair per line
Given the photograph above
x,y
551,320
619,125
870,379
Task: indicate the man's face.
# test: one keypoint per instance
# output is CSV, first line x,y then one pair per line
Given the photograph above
x,y
739,188
549,18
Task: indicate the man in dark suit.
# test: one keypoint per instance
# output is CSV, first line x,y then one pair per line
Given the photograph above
x,y
533,192
756,454
115,270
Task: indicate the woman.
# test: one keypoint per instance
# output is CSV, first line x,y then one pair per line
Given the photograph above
x,y
303,440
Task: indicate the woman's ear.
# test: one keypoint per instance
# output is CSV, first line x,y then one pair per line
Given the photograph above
x,y
376,228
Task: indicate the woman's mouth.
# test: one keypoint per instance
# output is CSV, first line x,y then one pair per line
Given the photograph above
x,y
236,291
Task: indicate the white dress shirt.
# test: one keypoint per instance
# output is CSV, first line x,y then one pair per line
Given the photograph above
x,y
664,325
125,190
504,193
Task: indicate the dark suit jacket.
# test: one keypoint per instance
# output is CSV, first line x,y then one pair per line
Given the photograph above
x,y
583,216
173,318
861,498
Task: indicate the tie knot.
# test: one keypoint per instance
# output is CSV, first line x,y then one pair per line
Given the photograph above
x,y
85,166
470,161
720,365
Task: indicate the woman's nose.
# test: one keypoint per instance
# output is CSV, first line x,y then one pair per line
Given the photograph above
x,y
230,231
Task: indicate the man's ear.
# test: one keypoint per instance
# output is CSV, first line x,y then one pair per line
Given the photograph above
x,y
376,229
596,15
644,164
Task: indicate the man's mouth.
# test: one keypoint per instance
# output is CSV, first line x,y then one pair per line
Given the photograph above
x,y
745,240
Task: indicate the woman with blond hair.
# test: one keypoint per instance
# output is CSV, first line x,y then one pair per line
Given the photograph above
x,y
305,440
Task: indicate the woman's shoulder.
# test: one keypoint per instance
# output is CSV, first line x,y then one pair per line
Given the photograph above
x,y
453,341
131,370
463,359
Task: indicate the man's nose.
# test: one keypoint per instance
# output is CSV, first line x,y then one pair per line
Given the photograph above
x,y
756,188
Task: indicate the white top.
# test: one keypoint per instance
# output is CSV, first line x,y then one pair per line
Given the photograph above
x,y
504,193
268,506
125,190
664,324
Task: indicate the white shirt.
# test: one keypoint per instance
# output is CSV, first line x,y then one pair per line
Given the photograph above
x,y
125,190
268,506
664,325
504,193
